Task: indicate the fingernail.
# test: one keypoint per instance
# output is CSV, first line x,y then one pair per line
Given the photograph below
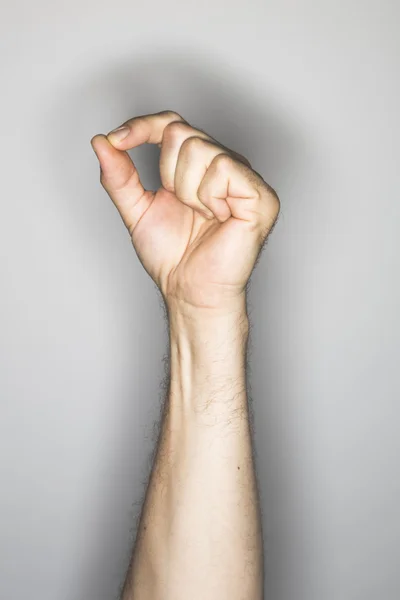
x,y
119,134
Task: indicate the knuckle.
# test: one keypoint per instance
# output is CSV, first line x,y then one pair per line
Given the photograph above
x,y
192,144
174,130
273,199
270,214
223,162
171,113
268,194
273,194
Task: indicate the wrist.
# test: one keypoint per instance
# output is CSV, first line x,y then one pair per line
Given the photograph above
x,y
208,332
208,352
197,318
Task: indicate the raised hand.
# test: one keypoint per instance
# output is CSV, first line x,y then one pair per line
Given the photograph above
x,y
198,236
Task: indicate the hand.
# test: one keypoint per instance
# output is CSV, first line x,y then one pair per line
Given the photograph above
x,y
199,235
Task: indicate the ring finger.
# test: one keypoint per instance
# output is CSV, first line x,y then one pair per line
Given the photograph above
x,y
195,156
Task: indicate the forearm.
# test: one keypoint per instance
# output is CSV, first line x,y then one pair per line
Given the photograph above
x,y
200,535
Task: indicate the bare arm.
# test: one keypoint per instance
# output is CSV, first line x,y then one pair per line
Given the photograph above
x,y
199,535
200,531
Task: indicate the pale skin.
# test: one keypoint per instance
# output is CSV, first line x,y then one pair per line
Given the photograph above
x,y
199,535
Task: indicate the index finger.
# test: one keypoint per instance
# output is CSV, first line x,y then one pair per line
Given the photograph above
x,y
144,129
149,129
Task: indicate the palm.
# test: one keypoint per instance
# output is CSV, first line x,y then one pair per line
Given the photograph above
x,y
203,259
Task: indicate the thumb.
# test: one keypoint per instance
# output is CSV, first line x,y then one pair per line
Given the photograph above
x,y
121,181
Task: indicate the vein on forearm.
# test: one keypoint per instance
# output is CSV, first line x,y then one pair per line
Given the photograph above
x,y
202,500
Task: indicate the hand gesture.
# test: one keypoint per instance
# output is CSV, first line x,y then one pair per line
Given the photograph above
x,y
198,236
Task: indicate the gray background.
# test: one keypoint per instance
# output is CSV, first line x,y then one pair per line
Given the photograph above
x,y
310,92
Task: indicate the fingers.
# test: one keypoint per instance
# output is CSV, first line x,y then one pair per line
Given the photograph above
x,y
151,129
169,130
176,133
207,175
144,129
194,158
120,179
249,198
201,172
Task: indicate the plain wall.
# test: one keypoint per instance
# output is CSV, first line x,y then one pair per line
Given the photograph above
x,y
309,91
